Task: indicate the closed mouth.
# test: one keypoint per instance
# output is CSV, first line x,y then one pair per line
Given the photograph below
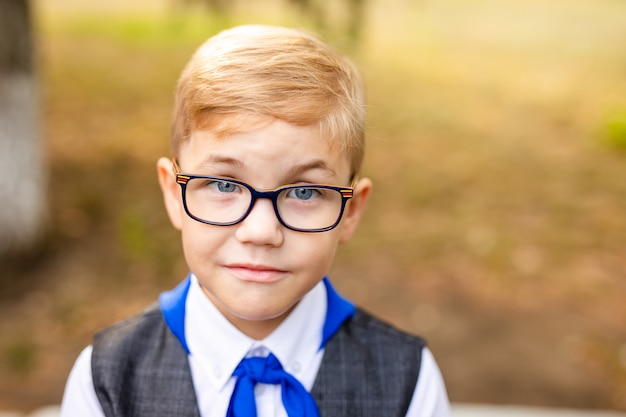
x,y
256,273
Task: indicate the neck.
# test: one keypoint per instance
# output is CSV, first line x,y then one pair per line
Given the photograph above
x,y
254,328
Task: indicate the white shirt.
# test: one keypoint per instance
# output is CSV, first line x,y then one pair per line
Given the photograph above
x,y
212,364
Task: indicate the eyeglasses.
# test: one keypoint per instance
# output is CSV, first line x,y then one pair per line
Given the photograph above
x,y
225,202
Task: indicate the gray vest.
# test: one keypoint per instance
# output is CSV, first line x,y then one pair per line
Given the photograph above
x,y
369,369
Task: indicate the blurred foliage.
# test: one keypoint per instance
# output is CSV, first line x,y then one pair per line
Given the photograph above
x,y
339,19
616,132
21,355
143,31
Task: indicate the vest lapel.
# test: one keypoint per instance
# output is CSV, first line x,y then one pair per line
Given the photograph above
x,y
140,369
338,386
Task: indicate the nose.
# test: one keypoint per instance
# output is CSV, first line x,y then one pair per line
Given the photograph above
x,y
261,226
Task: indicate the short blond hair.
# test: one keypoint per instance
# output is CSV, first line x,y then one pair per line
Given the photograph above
x,y
257,72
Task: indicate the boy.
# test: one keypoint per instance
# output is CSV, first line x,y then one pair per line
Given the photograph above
x,y
267,138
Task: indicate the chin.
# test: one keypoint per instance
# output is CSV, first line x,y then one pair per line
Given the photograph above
x,y
263,313
260,316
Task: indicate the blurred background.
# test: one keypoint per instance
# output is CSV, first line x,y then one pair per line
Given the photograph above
x,y
496,143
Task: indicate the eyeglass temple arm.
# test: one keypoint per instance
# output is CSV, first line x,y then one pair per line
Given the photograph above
x,y
175,166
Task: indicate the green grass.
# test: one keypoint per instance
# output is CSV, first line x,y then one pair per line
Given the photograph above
x,y
138,30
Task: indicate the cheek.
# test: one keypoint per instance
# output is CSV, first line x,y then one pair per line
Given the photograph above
x,y
319,253
201,242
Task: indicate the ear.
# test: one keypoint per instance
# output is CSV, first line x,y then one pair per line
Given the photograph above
x,y
354,209
171,191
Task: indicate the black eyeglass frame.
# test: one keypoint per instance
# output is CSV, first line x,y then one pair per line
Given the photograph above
x,y
346,194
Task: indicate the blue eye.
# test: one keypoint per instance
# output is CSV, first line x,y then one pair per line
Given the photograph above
x,y
304,193
224,186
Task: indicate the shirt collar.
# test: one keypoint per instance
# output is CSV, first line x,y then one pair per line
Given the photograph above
x,y
293,344
204,325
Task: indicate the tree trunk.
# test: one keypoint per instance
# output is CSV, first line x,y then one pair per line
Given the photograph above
x,y
22,179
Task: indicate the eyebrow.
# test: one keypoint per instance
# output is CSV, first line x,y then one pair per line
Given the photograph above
x,y
315,165
219,159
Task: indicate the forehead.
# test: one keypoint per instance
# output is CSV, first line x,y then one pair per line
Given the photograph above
x,y
273,149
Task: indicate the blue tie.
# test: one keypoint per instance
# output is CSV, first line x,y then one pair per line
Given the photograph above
x,y
296,399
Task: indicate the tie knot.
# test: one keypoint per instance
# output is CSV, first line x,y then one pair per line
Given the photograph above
x,y
296,399
266,370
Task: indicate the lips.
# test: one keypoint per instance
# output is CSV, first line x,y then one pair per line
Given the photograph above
x,y
256,273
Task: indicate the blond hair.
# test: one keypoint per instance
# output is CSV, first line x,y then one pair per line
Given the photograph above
x,y
259,72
